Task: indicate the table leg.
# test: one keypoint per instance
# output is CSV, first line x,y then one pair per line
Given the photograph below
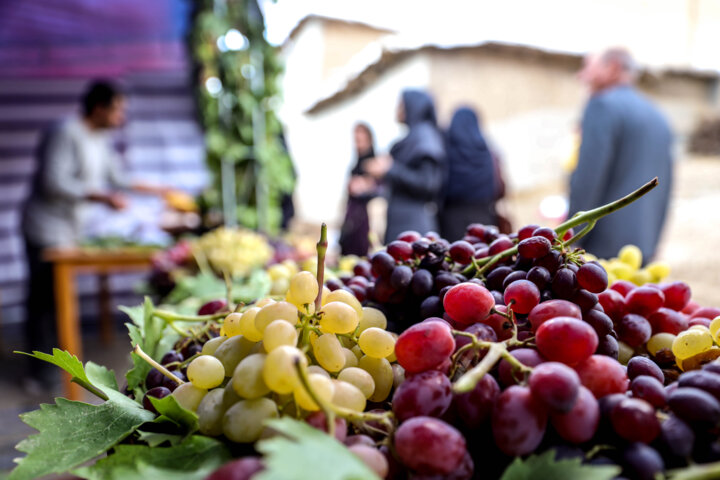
x,y
67,321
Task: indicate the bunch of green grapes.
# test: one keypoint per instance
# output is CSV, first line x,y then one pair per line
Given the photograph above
x,y
234,250
627,266
251,372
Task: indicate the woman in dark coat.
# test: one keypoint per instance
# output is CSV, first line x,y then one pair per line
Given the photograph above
x,y
361,189
471,188
414,173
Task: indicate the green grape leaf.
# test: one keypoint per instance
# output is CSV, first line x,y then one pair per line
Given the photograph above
x,y
153,439
72,433
193,459
300,449
696,472
170,409
544,466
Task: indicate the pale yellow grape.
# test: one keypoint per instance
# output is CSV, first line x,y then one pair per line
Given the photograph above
x,y
338,317
625,353
360,378
325,293
398,374
343,296
376,343
691,342
313,338
231,324
621,270
291,266
382,374
279,371
318,369
210,412
230,396
347,342
371,317
392,357
357,351
279,286
232,350
276,311
641,277
189,396
279,271
350,359
702,328
630,255
348,396
212,345
278,333
248,379
303,287
264,302
658,270
244,421
329,353
660,341
246,325
321,385
206,372
715,329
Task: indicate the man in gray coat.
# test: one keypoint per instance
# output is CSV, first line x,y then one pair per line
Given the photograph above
x,y
626,142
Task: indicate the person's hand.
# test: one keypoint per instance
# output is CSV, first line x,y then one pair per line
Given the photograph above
x,y
378,166
359,185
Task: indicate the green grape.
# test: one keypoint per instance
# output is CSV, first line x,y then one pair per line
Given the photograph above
x,y
357,351
248,377
210,413
715,329
630,255
206,372
303,288
321,385
247,325
338,317
660,341
277,333
264,302
376,343
232,350
279,286
371,317
691,342
230,396
231,324
343,296
359,378
348,396
398,374
212,345
279,371
350,359
625,353
189,396
382,374
244,421
278,272
276,311
317,369
392,357
329,353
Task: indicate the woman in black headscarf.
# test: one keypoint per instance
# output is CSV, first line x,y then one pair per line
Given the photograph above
x,y
361,188
414,173
471,187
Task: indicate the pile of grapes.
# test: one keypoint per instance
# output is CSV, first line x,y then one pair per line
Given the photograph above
x,y
508,345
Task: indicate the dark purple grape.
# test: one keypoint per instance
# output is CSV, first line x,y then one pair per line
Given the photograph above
x,y
546,232
171,357
400,277
421,283
423,394
649,389
191,349
241,469
712,367
512,435
157,392
363,269
443,291
496,277
592,277
421,247
445,279
523,264
498,297
171,384
429,446
461,252
154,378
642,462
702,379
438,248
644,366
634,330
677,437
539,276
556,385
534,247
551,262
359,292
635,420
431,307
695,406
382,264
333,284
584,299
608,346
564,284
600,322
431,263
474,407
213,306
382,291
517,275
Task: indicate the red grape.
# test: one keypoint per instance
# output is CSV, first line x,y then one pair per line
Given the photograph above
x,y
644,300
552,309
668,320
534,247
424,346
602,375
400,250
613,303
567,340
527,356
638,366
634,330
319,420
706,312
677,295
468,303
424,394
461,252
580,423
546,232
649,389
382,264
527,231
240,469
474,407
429,446
499,323
524,295
623,287
476,230
705,322
518,421
592,277
635,420
556,385
691,307
401,276
500,245
213,306
564,283
409,236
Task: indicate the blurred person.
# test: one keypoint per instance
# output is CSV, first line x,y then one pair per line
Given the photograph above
x,y
361,189
626,142
413,172
76,167
472,183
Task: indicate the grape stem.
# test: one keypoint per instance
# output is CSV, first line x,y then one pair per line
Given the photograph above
x,y
176,317
228,289
322,246
589,217
139,352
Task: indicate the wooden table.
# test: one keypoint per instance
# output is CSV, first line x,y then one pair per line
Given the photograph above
x,y
67,264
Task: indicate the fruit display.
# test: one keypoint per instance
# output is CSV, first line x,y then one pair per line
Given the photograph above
x,y
498,356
